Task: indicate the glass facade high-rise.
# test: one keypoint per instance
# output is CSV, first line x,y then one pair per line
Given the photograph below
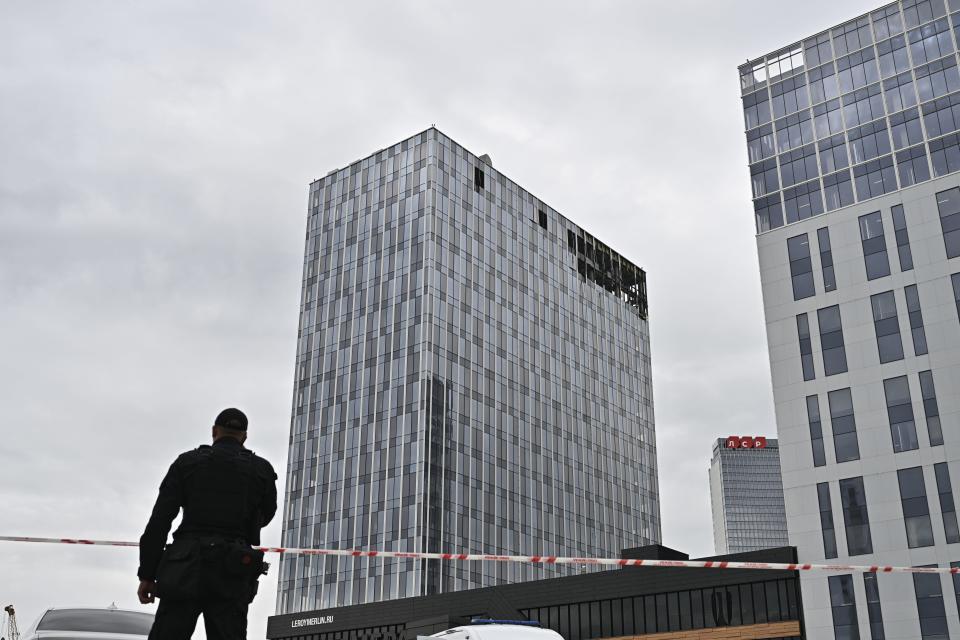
x,y
853,144
746,497
472,375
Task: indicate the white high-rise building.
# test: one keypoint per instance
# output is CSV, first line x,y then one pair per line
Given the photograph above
x,y
853,137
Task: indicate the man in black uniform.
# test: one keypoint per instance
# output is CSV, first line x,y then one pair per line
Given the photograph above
x,y
227,494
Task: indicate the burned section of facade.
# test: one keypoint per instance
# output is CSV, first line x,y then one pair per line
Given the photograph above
x,y
467,380
631,603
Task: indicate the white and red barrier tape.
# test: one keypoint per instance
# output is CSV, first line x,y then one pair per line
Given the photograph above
x,y
474,557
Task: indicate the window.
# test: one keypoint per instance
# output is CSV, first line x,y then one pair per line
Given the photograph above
x,y
899,92
855,518
933,617
826,519
903,240
916,320
916,512
794,131
833,154
803,201
827,119
875,178
756,110
931,41
862,106
819,454
843,605
786,63
838,190
791,95
817,50
886,23
542,218
893,56
768,212
948,203
945,155
869,141
857,70
851,36
912,166
798,166
937,79
478,179
823,84
831,341
874,246
844,426
942,116
956,583
916,12
874,611
930,409
947,507
887,326
955,278
905,128
903,431
763,177
806,348
826,259
760,143
801,267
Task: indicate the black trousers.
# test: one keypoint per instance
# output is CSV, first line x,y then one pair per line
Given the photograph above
x,y
222,619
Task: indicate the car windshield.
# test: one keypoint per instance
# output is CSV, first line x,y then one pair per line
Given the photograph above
x,y
97,621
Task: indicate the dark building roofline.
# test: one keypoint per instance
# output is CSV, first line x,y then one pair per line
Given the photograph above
x,y
505,601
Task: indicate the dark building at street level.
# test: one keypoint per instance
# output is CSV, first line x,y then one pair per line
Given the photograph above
x,y
628,603
472,375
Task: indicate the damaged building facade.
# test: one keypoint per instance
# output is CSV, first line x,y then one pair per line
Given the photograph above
x,y
472,375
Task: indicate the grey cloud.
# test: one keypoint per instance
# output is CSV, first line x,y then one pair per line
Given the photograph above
x,y
153,173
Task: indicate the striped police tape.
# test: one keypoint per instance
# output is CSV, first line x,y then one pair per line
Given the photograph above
x,y
476,557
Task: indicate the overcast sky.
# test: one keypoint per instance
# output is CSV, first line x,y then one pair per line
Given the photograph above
x,y
154,166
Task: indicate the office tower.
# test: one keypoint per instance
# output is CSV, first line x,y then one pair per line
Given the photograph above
x,y
746,495
853,137
472,375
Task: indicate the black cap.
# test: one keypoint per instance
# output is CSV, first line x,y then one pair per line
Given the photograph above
x,y
231,419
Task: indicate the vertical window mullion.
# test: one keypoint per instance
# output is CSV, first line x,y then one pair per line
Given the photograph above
x,y
806,347
947,506
903,237
816,431
826,260
917,332
827,527
931,410
874,611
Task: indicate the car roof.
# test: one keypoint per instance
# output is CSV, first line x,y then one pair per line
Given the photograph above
x,y
499,632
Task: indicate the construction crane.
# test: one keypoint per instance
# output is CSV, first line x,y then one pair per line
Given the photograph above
x,y
12,633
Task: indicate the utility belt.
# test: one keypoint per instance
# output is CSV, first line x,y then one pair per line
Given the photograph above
x,y
209,567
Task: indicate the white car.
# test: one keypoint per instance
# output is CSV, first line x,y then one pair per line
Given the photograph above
x,y
107,623
498,631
